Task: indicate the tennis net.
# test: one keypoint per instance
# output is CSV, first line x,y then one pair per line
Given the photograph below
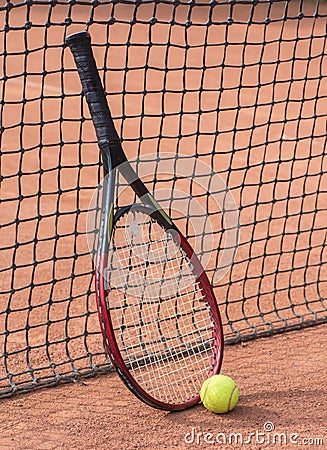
x,y
234,88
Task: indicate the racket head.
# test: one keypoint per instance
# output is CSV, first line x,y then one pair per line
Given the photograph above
x,y
158,314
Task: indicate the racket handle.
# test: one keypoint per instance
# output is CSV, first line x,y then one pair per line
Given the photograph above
x,y
108,139
80,46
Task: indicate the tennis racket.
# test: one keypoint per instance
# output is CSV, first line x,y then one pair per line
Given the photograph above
x,y
158,314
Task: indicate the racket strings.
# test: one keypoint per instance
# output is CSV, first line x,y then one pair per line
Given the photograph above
x,y
158,309
156,259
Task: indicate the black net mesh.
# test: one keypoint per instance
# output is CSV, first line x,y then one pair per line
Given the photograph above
x,y
238,88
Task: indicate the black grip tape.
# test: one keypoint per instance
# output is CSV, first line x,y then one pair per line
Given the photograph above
x,y
80,46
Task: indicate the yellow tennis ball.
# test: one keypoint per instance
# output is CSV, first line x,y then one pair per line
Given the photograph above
x,y
219,394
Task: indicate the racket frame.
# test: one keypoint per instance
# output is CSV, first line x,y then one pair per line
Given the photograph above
x,y
114,157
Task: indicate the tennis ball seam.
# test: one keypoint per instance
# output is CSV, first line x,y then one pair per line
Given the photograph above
x,y
230,398
205,390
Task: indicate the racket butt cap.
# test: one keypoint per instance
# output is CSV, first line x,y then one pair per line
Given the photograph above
x,y
78,37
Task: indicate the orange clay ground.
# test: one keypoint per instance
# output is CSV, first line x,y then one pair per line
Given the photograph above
x,y
282,380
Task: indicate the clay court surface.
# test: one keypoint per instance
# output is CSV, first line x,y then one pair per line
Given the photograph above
x,y
282,380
